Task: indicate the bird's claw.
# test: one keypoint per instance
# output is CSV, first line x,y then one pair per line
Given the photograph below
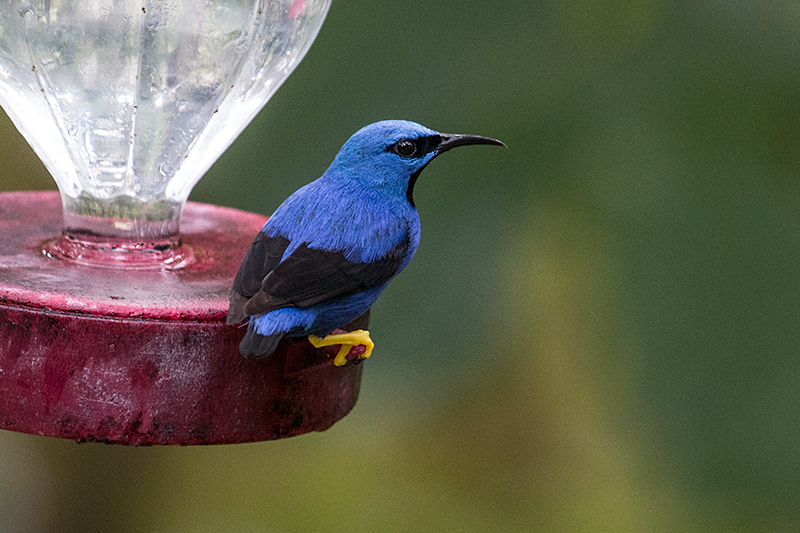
x,y
348,341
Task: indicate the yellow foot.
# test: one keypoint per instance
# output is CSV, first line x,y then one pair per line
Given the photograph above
x,y
348,341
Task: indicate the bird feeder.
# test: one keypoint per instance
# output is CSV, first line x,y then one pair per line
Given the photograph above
x,y
113,293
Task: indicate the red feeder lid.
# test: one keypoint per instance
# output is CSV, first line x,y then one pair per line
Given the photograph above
x,y
144,357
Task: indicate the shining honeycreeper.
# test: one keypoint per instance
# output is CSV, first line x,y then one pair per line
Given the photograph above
x,y
329,251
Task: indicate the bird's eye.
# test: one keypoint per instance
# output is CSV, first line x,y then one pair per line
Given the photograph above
x,y
405,148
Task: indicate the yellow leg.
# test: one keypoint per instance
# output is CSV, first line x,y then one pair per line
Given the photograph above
x,y
348,341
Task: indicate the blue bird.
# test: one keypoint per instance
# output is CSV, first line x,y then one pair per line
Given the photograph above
x,y
329,251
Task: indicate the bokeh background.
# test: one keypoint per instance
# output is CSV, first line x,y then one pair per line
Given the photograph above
x,y
601,329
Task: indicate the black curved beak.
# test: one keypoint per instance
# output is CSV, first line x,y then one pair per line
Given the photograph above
x,y
452,140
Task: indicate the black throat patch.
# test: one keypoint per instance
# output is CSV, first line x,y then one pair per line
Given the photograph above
x,y
411,182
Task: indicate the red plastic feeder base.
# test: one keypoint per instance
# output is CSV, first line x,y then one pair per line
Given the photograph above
x,y
144,357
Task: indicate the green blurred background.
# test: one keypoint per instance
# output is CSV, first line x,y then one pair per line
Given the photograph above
x,y
601,329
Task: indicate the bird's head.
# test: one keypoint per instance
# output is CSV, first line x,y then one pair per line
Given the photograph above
x,y
389,155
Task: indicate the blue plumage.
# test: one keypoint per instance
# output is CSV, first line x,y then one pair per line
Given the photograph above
x,y
329,251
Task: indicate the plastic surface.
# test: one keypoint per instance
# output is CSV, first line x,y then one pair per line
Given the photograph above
x,y
136,100
143,356
129,103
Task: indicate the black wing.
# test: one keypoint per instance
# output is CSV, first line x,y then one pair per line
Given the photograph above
x,y
261,258
308,277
